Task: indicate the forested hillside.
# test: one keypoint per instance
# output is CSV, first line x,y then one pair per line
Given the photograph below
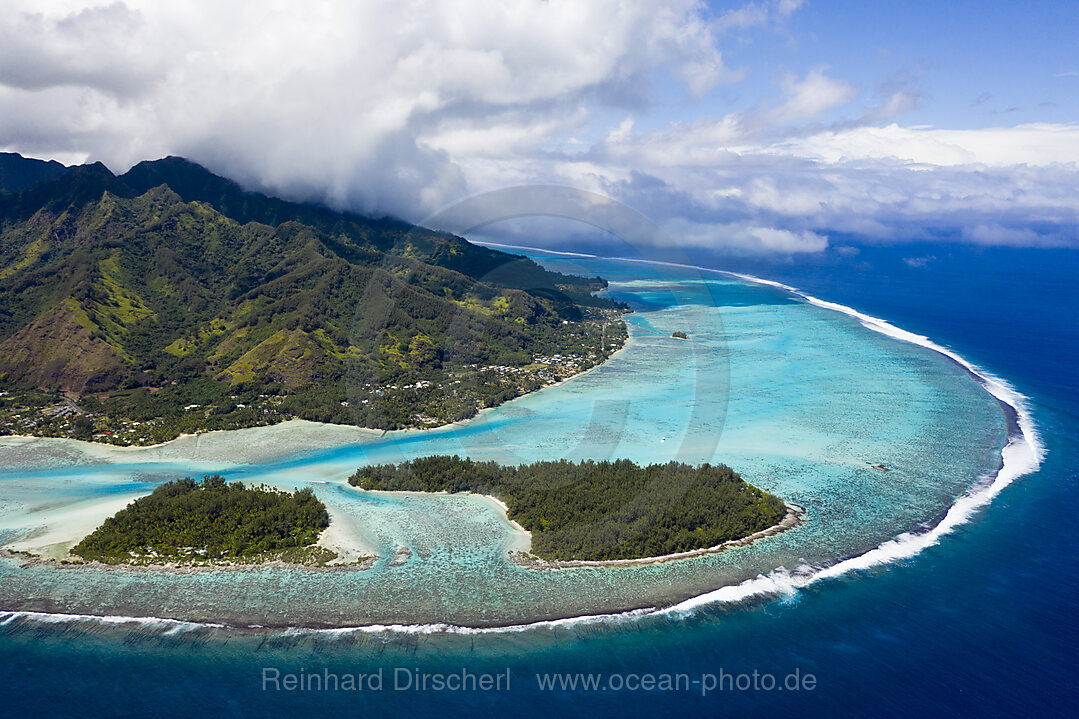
x,y
169,300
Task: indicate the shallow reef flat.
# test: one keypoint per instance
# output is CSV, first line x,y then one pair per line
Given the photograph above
x,y
800,399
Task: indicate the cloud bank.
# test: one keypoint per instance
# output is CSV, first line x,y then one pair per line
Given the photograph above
x,y
403,108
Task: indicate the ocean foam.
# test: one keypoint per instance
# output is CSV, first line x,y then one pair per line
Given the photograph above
x,y
176,626
1021,455
171,626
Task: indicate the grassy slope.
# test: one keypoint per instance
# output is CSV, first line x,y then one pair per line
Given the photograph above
x,y
153,301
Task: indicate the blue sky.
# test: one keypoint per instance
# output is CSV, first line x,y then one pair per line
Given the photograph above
x,y
773,126
973,64
973,61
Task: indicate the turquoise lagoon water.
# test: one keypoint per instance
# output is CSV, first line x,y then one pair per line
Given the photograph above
x,y
798,398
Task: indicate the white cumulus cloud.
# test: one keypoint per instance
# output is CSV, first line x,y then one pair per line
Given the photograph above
x,y
402,108
366,105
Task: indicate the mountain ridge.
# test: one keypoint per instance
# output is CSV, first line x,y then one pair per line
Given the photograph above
x,y
18,172
137,300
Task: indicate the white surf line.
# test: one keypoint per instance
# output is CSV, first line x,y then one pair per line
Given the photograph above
x,y
444,628
175,625
1020,456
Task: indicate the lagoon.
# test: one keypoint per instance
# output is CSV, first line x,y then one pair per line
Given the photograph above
x,y
799,398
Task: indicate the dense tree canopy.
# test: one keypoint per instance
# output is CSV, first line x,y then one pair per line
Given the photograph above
x,y
211,519
181,302
599,510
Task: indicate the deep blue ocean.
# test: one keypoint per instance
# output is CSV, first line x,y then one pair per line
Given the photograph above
x,y
983,624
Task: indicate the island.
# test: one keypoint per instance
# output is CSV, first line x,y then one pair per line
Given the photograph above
x,y
169,301
600,511
679,335
212,522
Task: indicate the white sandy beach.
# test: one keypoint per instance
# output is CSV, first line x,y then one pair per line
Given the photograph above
x,y
240,446
54,531
346,536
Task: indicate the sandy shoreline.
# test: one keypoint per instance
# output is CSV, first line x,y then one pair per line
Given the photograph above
x,y
505,509
355,554
51,542
48,611
251,445
868,556
795,516
481,413
32,560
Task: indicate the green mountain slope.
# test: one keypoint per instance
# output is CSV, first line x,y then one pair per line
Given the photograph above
x,y
170,300
347,230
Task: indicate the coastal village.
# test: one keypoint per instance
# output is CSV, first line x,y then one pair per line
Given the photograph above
x,y
51,415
